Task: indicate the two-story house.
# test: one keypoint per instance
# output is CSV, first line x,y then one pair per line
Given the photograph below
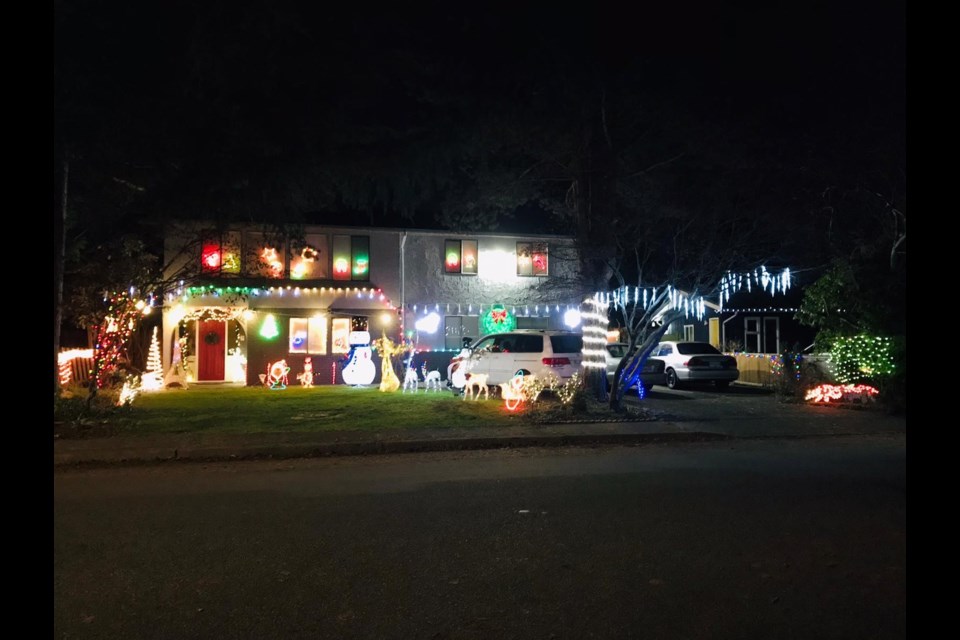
x,y
258,297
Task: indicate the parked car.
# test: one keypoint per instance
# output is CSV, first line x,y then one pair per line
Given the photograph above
x,y
696,362
653,371
501,355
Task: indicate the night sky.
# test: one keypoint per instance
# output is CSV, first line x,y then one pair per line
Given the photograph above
x,y
418,116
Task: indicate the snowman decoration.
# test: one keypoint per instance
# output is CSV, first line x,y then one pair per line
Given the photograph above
x,y
359,369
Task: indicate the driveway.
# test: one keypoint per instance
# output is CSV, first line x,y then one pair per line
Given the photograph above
x,y
745,410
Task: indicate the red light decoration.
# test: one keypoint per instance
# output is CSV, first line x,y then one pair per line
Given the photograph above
x,y
513,392
341,266
453,260
826,393
539,263
212,260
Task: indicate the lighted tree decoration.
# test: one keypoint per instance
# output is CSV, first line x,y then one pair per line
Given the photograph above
x,y
387,348
123,313
151,379
269,329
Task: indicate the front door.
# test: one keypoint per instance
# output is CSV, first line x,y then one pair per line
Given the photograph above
x,y
211,349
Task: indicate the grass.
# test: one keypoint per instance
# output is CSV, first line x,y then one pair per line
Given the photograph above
x,y
244,410
295,409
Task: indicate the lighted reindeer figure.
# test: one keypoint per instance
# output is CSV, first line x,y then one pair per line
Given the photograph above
x,y
431,380
410,380
478,380
387,348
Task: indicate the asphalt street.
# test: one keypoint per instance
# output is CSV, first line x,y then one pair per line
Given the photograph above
x,y
737,539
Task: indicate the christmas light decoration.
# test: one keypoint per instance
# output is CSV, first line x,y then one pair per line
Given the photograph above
x,y
513,391
594,333
861,357
572,318
826,393
152,380
69,359
269,329
277,375
270,259
114,333
306,378
387,348
429,323
497,320
127,394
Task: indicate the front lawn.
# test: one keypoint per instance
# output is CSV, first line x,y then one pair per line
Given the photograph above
x,y
222,409
326,408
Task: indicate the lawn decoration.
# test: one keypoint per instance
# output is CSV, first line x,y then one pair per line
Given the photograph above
x,y
457,372
151,379
514,391
411,380
277,375
359,369
387,348
306,378
432,379
854,393
478,380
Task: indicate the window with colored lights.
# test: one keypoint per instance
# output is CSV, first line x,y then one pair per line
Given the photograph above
x,y
220,253
351,258
532,259
308,335
460,257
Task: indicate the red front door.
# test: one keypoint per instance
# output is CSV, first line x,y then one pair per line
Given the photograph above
x,y
211,345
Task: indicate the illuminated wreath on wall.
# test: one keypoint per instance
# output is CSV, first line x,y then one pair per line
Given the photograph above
x,y
497,320
212,338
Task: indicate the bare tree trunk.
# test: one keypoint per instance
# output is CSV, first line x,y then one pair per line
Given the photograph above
x,y
59,258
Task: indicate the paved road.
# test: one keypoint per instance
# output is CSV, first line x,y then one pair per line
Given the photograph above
x,y
760,539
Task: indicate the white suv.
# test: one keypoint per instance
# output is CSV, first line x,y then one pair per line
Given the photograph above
x,y
537,351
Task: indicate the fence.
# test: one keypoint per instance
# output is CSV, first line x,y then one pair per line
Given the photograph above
x,y
76,365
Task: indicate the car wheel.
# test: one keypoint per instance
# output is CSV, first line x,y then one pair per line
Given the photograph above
x,y
672,381
722,385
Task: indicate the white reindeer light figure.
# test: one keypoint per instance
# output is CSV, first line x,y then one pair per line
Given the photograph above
x,y
411,380
478,380
431,380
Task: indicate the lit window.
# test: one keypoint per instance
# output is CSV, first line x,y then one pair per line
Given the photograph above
x,y
308,335
460,256
220,253
308,258
532,259
351,257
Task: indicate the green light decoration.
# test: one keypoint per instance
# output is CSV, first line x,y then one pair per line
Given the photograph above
x,y
861,358
497,320
360,266
269,329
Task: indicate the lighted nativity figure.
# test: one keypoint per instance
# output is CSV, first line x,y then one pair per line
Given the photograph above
x,y
387,348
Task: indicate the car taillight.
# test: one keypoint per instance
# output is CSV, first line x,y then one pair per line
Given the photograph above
x,y
555,362
686,363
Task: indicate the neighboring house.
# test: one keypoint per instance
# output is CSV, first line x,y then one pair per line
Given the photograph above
x,y
262,296
754,322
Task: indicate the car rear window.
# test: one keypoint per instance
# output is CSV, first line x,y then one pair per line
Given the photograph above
x,y
696,348
566,344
